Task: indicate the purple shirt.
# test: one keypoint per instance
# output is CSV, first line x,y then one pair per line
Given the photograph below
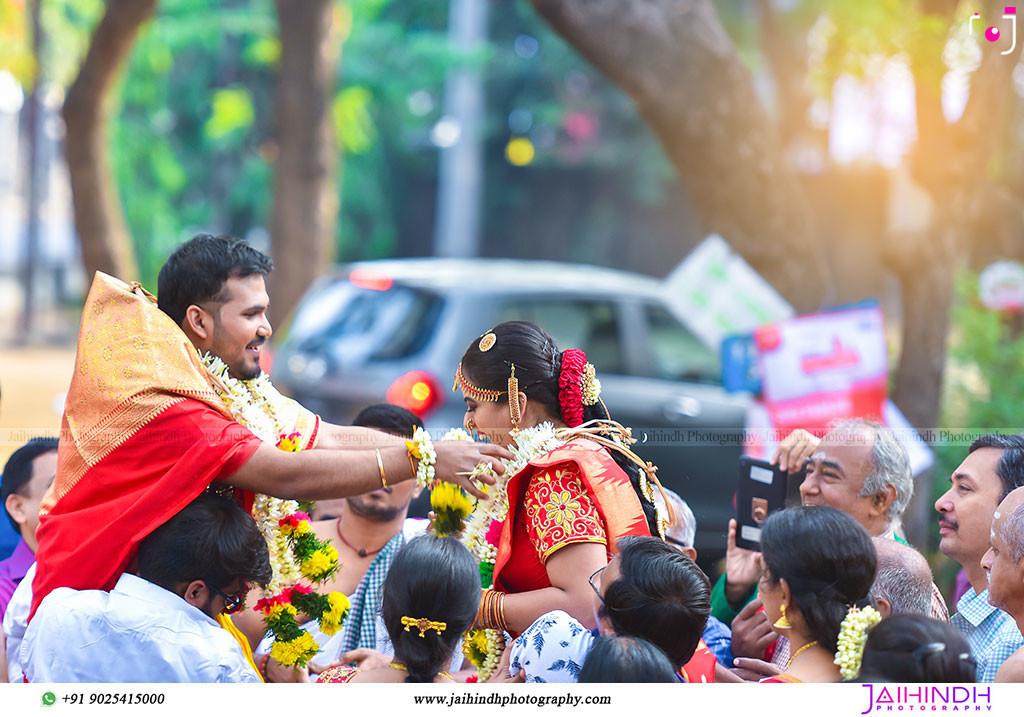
x,y
12,571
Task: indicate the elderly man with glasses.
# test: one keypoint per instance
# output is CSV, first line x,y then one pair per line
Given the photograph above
x,y
158,625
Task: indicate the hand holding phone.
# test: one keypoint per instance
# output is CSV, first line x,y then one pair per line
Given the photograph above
x,y
762,491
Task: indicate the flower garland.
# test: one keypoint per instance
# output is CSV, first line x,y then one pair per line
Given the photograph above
x,y
483,647
294,550
422,449
450,503
853,633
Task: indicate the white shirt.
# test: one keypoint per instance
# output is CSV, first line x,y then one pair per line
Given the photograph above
x,y
138,632
15,623
552,649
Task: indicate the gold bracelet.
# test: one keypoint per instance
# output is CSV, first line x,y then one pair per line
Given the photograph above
x,y
380,465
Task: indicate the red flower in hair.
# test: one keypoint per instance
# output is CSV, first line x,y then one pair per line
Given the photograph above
x,y
570,393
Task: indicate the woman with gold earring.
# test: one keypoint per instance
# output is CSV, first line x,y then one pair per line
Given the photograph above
x,y
819,565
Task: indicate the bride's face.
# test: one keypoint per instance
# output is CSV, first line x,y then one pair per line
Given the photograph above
x,y
490,419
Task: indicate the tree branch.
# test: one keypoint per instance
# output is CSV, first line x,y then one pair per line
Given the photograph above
x,y
677,63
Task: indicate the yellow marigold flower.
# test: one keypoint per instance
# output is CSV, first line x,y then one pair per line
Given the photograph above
x,y
300,649
289,443
480,641
278,610
319,562
302,528
450,497
331,621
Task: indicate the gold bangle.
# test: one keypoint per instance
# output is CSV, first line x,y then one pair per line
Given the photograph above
x,y
380,465
492,610
499,615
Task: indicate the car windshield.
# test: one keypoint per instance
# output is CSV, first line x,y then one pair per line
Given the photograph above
x,y
353,325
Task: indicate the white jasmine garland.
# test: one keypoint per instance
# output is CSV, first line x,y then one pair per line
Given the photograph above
x,y
853,633
422,448
531,443
456,434
254,404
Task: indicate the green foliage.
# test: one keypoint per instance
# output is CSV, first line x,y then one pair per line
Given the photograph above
x,y
985,374
232,111
353,125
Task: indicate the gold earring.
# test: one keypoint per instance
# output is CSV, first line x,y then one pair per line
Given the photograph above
x,y
513,400
783,622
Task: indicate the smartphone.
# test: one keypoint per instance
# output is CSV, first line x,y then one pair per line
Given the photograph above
x,y
762,490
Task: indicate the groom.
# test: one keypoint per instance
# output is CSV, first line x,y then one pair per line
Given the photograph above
x,y
144,432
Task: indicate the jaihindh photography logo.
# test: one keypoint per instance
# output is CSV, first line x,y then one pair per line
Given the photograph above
x,y
947,698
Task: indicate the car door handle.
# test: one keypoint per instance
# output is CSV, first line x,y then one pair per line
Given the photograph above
x,y
683,407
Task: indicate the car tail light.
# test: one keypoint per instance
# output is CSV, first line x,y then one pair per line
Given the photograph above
x,y
372,280
418,391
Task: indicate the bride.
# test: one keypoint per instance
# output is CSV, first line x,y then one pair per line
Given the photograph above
x,y
573,490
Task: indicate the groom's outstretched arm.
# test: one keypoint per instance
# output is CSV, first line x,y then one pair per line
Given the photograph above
x,y
333,436
320,474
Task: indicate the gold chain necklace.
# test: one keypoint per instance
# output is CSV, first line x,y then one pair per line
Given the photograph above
x,y
796,654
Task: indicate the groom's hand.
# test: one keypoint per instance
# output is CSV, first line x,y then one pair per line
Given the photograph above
x,y
457,459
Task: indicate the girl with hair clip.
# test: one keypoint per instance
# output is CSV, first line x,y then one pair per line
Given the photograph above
x,y
819,565
430,597
573,490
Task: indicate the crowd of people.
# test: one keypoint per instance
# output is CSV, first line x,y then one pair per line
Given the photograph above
x,y
154,534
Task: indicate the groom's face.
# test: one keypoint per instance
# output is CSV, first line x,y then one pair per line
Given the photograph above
x,y
240,325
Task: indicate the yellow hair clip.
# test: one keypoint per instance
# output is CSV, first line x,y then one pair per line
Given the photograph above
x,y
423,624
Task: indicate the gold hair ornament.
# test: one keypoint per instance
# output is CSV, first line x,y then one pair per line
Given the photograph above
x,y
616,437
423,625
484,395
487,342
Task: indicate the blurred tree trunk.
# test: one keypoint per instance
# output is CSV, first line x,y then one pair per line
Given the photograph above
x,y
675,60
305,196
99,221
